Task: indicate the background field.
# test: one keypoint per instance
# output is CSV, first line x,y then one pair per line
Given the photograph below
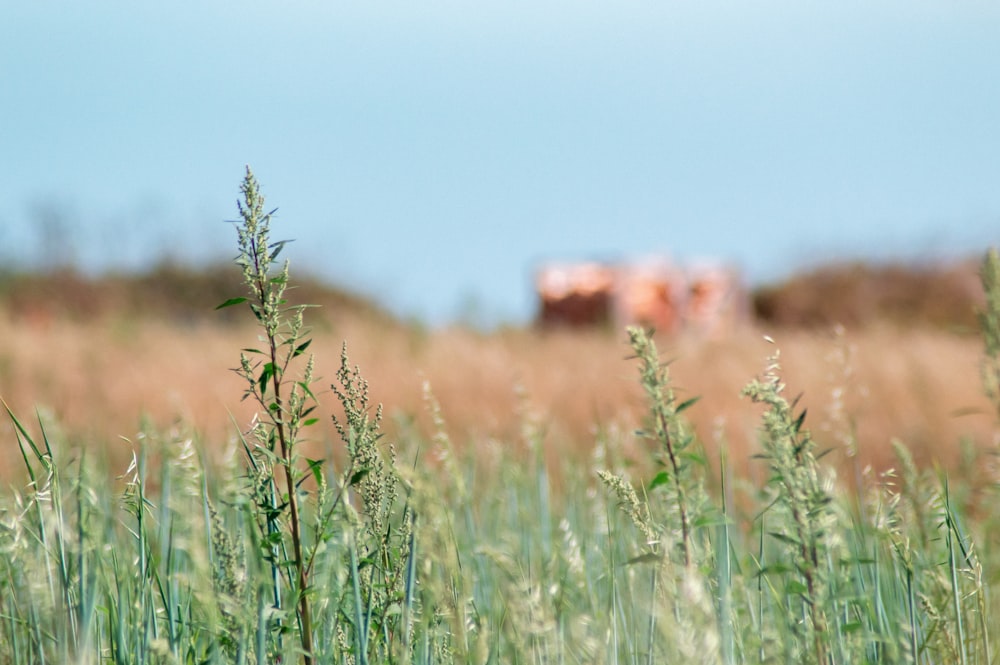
x,y
99,354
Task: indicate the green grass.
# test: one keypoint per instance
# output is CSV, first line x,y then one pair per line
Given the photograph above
x,y
411,552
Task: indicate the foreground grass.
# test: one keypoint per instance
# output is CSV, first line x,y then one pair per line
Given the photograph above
x,y
411,550
162,567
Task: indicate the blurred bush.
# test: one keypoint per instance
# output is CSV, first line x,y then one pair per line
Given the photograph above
x,y
169,292
858,294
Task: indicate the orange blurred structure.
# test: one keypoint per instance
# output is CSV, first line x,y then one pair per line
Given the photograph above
x,y
708,298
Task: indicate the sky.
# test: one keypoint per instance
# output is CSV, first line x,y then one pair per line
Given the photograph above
x,y
434,154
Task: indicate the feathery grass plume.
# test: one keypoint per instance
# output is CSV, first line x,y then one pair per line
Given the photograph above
x,y
800,492
989,322
636,509
282,413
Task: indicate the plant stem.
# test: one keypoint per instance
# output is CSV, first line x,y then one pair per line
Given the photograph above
x,y
293,506
678,485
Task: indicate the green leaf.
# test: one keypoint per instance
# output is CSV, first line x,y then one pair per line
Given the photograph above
x,y
301,347
359,475
801,419
784,538
231,302
311,421
265,376
774,569
709,520
662,478
277,246
852,627
694,456
686,404
316,466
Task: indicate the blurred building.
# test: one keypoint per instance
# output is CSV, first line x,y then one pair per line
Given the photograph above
x,y
708,298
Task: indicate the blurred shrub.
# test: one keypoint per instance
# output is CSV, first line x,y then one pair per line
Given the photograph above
x,y
857,294
169,291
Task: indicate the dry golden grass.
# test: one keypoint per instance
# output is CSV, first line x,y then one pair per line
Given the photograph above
x,y
99,377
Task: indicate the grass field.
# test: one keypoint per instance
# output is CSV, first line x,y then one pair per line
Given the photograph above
x,y
523,497
99,377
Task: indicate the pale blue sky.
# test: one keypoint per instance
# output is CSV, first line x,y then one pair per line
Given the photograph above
x,y
432,153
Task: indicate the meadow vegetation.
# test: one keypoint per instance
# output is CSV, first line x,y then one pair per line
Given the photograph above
x,y
524,498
